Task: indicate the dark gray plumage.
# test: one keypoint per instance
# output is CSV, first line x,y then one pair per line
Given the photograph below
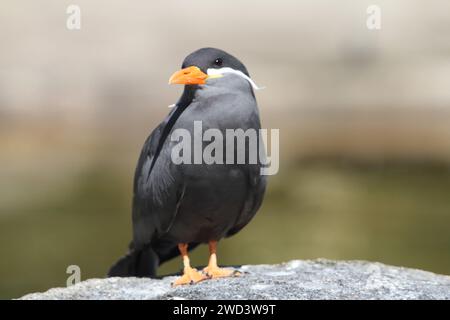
x,y
193,203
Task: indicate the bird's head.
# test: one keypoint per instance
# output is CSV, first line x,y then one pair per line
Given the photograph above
x,y
208,63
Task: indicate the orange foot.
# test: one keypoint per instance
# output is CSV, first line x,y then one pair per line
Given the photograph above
x,y
213,272
190,276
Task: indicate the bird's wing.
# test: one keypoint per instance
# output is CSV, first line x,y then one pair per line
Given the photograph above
x,y
255,194
157,185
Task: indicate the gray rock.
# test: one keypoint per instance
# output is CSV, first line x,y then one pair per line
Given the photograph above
x,y
298,279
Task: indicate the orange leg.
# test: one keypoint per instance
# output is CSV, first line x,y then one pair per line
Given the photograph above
x,y
190,275
213,270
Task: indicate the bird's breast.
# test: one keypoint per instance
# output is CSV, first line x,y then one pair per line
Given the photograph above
x,y
214,194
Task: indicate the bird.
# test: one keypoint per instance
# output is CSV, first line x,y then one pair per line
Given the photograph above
x,y
176,207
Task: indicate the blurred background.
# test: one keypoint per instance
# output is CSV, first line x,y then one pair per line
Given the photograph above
x,y
364,119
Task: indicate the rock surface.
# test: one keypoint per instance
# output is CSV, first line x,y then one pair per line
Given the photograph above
x,y
298,279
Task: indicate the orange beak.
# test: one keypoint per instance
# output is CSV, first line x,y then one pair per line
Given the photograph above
x,y
189,75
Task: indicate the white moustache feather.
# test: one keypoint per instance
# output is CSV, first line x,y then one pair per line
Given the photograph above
x,y
221,71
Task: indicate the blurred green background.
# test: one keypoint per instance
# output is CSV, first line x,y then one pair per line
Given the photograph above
x,y
364,119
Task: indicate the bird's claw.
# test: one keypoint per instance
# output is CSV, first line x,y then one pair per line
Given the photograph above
x,y
236,273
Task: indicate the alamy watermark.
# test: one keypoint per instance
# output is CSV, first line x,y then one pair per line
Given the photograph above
x,y
237,146
373,21
73,21
75,275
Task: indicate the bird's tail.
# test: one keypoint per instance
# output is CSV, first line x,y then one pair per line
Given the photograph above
x,y
137,263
